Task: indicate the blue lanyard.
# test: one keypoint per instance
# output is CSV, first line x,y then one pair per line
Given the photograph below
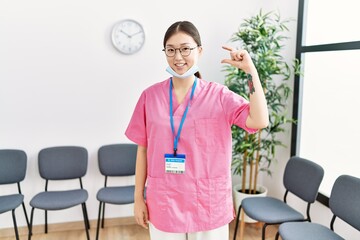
x,y
176,138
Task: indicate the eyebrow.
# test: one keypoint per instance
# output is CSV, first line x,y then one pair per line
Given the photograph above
x,y
182,44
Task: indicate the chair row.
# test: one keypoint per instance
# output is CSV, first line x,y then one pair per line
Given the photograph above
x,y
65,163
302,178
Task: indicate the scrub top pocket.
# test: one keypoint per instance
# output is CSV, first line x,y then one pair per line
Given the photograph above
x,y
206,132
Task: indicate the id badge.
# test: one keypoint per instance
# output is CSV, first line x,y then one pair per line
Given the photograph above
x,y
175,164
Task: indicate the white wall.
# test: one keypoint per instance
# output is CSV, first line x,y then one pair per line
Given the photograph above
x,y
62,82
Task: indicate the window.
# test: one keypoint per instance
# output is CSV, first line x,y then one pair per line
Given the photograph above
x,y
326,97
331,22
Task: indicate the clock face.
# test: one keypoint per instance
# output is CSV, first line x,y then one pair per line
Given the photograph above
x,y
128,36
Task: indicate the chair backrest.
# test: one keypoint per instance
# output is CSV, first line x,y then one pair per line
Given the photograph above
x,y
117,159
344,200
12,166
302,177
63,162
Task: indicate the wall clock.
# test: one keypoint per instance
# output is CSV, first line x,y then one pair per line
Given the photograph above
x,y
128,36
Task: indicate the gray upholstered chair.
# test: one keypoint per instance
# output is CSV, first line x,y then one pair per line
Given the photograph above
x,y
302,178
12,170
61,163
344,203
115,160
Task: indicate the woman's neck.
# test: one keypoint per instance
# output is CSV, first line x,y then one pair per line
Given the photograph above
x,y
183,84
181,87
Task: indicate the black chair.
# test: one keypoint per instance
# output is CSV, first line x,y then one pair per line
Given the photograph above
x,y
115,160
61,163
301,178
344,203
12,170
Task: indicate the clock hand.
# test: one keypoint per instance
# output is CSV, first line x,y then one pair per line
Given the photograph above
x,y
129,36
136,33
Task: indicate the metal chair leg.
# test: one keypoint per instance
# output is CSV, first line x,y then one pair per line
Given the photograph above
x,y
15,225
46,225
98,221
31,222
277,235
103,216
86,220
87,216
26,216
86,223
263,231
237,222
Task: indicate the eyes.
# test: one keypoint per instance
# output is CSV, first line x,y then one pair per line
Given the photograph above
x,y
184,51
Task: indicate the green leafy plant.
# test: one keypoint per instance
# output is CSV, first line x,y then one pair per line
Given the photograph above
x,y
263,37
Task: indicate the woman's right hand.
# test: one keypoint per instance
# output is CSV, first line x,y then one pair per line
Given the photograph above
x,y
141,213
140,208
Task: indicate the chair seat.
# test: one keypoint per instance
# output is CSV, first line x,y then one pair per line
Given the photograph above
x,y
10,202
116,195
58,200
306,230
270,210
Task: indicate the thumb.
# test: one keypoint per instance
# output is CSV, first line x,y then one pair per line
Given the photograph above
x,y
146,217
228,61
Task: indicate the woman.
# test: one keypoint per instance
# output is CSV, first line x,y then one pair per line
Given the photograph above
x,y
183,130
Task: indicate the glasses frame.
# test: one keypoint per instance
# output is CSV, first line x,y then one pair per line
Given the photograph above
x,y
179,49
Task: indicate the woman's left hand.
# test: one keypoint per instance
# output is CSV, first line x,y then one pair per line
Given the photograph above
x,y
240,59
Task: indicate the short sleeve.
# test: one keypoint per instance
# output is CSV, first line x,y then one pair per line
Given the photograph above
x,y
236,109
136,130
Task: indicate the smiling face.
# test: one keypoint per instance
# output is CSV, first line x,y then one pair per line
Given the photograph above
x,y
180,40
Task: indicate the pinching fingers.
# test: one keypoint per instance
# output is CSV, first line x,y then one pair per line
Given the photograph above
x,y
228,48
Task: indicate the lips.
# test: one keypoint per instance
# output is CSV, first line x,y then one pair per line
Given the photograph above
x,y
180,67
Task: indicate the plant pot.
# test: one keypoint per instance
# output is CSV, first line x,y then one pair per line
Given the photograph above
x,y
239,196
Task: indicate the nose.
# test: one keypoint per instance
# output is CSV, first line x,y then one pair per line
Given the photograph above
x,y
178,54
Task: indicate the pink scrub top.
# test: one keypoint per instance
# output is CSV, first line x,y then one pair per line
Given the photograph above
x,y
201,198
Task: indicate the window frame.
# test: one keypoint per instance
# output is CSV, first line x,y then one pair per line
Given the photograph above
x,y
301,49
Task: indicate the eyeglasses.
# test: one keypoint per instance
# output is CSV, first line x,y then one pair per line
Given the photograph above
x,y
184,51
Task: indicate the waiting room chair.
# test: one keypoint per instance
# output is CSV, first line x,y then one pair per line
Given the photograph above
x,y
301,178
13,164
61,163
343,202
115,160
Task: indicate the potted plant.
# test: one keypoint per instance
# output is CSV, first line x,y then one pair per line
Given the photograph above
x,y
263,37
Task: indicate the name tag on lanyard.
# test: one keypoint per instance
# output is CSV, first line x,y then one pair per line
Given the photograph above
x,y
175,163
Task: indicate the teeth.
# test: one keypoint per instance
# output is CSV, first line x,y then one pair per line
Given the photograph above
x,y
180,64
